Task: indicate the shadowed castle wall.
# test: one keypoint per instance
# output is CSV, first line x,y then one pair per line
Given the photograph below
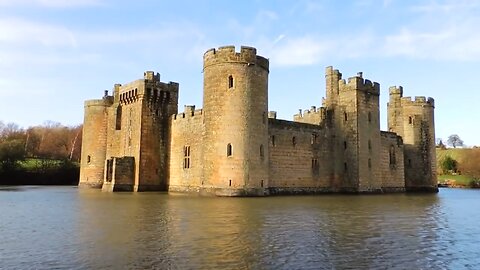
x,y
391,162
414,120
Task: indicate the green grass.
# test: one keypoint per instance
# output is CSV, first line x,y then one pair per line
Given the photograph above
x,y
459,179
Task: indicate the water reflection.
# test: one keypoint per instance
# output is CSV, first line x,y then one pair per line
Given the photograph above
x,y
154,230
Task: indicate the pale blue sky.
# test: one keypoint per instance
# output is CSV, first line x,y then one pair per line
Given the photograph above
x,y
54,54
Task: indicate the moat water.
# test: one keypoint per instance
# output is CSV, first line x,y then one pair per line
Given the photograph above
x,y
68,228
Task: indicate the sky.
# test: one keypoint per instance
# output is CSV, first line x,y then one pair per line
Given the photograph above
x,y
55,54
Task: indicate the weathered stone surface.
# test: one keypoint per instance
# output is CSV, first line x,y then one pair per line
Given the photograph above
x,y
234,146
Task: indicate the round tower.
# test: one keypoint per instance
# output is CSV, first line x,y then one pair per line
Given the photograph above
x,y
94,143
235,101
419,143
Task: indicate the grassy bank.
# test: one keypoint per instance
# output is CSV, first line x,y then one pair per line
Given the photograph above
x,y
41,172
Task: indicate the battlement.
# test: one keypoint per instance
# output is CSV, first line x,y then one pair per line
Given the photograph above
x,y
272,114
396,90
151,76
189,112
418,101
329,71
104,102
359,83
314,115
247,55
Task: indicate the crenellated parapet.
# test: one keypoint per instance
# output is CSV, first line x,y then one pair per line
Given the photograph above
x,y
247,55
418,101
361,84
396,90
313,115
189,113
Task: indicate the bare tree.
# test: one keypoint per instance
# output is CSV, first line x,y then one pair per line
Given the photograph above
x,y
454,141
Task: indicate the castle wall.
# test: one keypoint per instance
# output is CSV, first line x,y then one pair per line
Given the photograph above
x,y
414,119
300,158
125,122
186,152
391,163
160,102
119,174
94,145
235,113
136,140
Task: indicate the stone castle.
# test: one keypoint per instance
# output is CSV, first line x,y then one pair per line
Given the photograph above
x,y
136,140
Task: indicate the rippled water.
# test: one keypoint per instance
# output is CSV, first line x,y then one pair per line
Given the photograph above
x,y
67,228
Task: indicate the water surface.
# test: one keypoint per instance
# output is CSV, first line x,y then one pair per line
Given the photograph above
x,y
68,228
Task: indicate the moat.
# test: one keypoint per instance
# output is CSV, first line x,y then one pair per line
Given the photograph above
x,y
68,228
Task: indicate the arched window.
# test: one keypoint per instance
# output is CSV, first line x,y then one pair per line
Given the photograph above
x,y
230,82
230,182
229,150
345,116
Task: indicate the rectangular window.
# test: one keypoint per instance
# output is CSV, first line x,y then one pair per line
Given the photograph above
x,y
315,166
314,138
186,157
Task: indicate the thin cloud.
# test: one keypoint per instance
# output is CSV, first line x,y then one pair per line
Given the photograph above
x,y
52,3
19,31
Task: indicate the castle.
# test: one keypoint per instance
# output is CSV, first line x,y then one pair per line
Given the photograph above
x,y
136,140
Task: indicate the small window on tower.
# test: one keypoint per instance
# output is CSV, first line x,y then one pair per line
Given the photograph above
x,y
345,116
229,150
89,159
230,81
369,117
262,154
118,120
410,120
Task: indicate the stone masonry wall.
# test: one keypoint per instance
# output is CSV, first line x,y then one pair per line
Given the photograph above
x,y
299,157
391,162
94,145
186,151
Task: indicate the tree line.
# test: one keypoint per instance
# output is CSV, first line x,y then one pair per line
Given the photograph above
x,y
49,142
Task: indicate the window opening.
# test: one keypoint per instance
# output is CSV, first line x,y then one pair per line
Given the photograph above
x,y
314,138
118,120
392,157
186,157
229,150
230,81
